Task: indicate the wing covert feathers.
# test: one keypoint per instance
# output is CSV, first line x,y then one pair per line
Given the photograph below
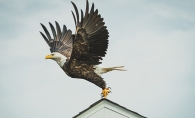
x,y
91,38
62,40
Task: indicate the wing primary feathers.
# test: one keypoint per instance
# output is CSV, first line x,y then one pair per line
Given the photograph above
x,y
58,31
53,30
87,8
81,16
45,39
89,29
90,16
74,18
61,41
46,31
77,13
63,32
92,10
94,20
54,35
86,13
68,34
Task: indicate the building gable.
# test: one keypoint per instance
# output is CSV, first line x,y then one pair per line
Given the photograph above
x,y
105,108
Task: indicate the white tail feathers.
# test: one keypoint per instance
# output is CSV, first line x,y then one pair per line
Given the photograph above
x,y
113,68
101,70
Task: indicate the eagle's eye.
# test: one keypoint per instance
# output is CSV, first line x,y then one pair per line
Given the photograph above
x,y
52,54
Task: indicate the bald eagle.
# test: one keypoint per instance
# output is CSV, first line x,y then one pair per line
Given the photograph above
x,y
79,54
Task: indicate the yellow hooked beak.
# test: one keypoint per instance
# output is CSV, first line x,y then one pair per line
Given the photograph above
x,y
48,57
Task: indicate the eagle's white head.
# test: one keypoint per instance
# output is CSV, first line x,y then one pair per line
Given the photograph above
x,y
59,58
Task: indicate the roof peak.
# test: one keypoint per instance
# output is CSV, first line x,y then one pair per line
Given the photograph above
x,y
109,101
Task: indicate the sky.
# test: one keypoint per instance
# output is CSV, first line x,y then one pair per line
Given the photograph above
x,y
153,39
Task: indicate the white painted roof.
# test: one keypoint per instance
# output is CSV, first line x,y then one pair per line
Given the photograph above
x,y
105,108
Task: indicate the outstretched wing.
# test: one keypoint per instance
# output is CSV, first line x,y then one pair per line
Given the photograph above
x,y
91,39
62,40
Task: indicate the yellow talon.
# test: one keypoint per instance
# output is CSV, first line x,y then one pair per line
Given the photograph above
x,y
105,92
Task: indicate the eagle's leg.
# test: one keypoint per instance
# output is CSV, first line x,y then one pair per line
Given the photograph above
x,y
105,92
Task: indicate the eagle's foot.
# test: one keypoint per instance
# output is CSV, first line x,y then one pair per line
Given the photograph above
x,y
105,92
